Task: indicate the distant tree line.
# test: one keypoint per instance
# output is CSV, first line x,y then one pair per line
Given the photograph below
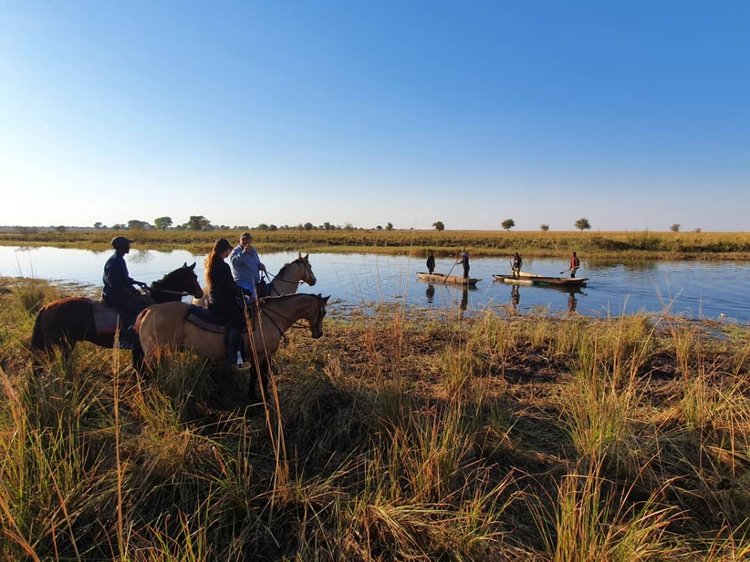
x,y
200,222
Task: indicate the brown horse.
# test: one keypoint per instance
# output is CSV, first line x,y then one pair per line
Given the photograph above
x,y
64,322
167,326
285,282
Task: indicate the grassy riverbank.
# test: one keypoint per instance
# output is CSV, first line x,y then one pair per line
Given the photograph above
x,y
644,244
393,437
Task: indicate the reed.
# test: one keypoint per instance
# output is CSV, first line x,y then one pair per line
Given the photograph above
x,y
627,244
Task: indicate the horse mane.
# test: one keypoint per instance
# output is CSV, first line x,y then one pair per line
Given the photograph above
x,y
288,265
163,280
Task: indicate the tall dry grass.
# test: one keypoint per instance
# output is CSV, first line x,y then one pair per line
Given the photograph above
x,y
405,436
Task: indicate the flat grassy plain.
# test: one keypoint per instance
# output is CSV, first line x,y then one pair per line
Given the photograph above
x,y
637,244
393,437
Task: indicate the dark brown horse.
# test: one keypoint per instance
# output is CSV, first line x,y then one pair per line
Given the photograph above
x,y
64,322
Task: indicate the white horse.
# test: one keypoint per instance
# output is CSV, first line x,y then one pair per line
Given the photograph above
x,y
285,282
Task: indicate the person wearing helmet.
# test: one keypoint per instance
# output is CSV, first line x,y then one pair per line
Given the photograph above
x,y
118,291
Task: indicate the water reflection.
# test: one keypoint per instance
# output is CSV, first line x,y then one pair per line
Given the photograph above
x,y
430,293
465,298
515,297
572,302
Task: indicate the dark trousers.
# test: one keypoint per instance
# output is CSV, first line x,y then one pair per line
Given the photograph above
x,y
466,271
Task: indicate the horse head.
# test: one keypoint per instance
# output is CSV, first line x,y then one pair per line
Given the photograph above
x,y
317,315
181,280
291,274
308,275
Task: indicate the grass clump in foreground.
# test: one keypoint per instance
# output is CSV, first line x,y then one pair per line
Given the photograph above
x,y
396,436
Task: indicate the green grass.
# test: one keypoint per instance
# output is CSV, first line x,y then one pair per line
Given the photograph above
x,y
630,245
394,437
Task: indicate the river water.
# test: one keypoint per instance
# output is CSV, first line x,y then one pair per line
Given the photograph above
x,y
698,290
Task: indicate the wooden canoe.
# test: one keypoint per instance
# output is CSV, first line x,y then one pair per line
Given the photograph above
x,y
443,278
542,281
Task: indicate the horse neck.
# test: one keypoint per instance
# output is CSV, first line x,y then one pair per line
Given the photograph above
x,y
285,311
164,284
287,281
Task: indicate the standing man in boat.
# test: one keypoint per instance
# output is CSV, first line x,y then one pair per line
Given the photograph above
x,y
430,262
463,259
575,263
516,265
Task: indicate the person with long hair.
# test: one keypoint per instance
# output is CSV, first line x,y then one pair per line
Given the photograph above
x,y
223,297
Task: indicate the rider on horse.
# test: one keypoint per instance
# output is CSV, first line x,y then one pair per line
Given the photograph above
x,y
246,267
118,291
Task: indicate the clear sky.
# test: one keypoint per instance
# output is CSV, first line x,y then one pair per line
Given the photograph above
x,y
633,114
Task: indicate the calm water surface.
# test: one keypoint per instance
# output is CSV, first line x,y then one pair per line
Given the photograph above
x,y
692,289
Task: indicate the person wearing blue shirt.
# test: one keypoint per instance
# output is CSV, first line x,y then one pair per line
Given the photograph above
x,y
118,291
246,266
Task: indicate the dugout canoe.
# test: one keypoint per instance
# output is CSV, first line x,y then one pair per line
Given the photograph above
x,y
443,278
542,281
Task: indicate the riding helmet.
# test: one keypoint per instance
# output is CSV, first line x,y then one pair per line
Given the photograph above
x,y
120,242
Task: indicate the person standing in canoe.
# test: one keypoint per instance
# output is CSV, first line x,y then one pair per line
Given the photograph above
x,y
430,261
516,265
575,263
463,259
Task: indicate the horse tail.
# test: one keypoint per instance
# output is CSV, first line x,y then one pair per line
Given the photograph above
x,y
38,341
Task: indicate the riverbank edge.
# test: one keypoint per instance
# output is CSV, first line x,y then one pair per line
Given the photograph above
x,y
605,245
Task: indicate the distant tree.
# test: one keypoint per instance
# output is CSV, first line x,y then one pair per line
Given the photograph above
x,y
349,227
379,227
583,224
675,227
439,226
97,225
308,226
507,224
262,226
328,226
389,226
118,226
544,227
61,228
198,222
163,223
272,227
697,230
135,224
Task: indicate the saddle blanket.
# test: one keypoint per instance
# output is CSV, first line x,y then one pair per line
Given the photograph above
x,y
105,319
204,319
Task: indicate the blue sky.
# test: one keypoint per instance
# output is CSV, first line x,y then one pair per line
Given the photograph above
x,y
635,115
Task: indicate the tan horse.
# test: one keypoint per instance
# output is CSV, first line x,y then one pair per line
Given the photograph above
x,y
165,326
285,282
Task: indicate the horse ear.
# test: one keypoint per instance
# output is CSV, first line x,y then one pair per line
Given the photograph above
x,y
192,266
325,299
306,256
299,255
184,264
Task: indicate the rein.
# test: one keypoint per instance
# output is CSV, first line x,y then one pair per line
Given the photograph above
x,y
181,293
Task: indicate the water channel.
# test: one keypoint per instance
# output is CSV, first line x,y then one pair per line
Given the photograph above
x,y
694,289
